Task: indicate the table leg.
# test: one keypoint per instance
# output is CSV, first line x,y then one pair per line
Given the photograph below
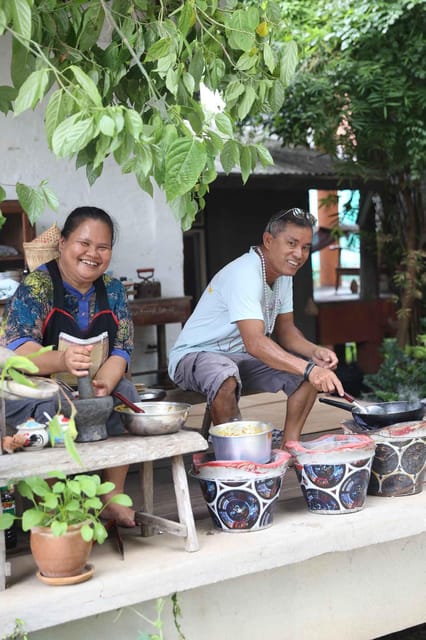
x,y
161,345
147,491
183,501
2,561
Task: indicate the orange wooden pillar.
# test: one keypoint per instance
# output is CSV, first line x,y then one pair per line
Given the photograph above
x,y
327,218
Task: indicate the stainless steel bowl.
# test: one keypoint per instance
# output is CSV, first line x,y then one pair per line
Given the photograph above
x,y
242,440
158,418
149,395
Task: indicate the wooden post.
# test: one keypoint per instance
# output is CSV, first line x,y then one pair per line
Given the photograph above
x,y
327,217
183,501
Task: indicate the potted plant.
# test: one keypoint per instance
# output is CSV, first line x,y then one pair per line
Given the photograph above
x,y
402,373
64,521
65,517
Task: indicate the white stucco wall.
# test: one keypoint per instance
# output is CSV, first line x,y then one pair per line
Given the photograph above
x,y
149,235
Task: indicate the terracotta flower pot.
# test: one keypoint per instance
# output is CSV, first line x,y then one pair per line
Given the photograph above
x,y
57,557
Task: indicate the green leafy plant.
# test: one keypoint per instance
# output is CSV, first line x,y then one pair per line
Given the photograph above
x,y
18,633
359,94
157,623
66,502
57,430
402,373
12,368
177,613
123,79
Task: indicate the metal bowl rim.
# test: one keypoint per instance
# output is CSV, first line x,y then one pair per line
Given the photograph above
x,y
268,428
178,406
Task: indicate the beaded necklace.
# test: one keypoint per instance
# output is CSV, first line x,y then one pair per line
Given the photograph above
x,y
267,307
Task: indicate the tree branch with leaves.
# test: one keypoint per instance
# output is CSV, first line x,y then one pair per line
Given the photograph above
x,y
122,78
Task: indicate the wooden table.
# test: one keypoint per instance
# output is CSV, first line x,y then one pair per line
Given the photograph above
x,y
113,452
158,312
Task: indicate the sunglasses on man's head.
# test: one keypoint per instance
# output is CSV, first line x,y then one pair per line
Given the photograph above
x,y
292,214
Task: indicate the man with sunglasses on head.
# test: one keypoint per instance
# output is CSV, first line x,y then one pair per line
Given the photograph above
x,y
242,335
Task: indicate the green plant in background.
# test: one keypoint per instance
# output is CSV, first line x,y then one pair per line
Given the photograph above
x,y
402,374
12,368
69,501
18,633
123,79
158,622
33,199
359,94
177,613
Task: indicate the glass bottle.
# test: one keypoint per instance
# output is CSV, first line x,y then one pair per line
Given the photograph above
x,y
8,506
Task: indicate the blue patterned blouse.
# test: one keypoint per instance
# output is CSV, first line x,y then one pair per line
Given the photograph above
x,y
27,310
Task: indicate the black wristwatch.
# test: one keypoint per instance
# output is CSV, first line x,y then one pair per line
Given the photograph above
x,y
311,364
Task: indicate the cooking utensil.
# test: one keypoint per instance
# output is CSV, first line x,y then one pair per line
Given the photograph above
x,y
149,395
134,407
158,418
381,414
92,412
242,440
349,398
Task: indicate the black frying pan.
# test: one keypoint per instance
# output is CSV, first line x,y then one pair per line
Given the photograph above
x,y
381,414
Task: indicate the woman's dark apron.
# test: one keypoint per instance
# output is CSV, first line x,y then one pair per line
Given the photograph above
x,y
59,319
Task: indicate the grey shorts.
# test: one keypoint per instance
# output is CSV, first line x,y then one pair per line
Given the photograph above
x,y
206,371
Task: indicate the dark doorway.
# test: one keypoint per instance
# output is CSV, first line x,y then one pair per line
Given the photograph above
x,y
234,219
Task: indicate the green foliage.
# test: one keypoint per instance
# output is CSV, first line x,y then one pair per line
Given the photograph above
x,y
68,433
359,93
402,374
69,501
18,633
177,613
157,623
363,67
13,369
32,199
123,78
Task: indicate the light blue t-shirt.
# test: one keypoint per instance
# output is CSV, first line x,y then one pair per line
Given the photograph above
x,y
235,293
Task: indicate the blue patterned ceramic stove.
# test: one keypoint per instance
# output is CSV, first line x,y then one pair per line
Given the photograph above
x,y
240,495
334,472
399,464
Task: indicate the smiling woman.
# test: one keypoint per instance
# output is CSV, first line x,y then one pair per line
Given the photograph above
x,y
73,295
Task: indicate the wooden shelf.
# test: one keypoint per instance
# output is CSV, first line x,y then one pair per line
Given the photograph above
x,y
8,259
15,231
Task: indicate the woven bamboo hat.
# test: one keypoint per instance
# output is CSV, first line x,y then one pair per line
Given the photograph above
x,y
43,248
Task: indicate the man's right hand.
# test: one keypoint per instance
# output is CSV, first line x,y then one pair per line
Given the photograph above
x,y
325,380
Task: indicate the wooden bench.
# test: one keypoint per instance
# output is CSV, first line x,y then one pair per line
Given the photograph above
x,y
113,452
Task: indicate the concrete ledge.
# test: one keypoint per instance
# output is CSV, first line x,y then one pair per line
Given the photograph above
x,y
158,566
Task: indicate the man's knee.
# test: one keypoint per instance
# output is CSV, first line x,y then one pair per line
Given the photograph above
x,y
228,390
228,386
